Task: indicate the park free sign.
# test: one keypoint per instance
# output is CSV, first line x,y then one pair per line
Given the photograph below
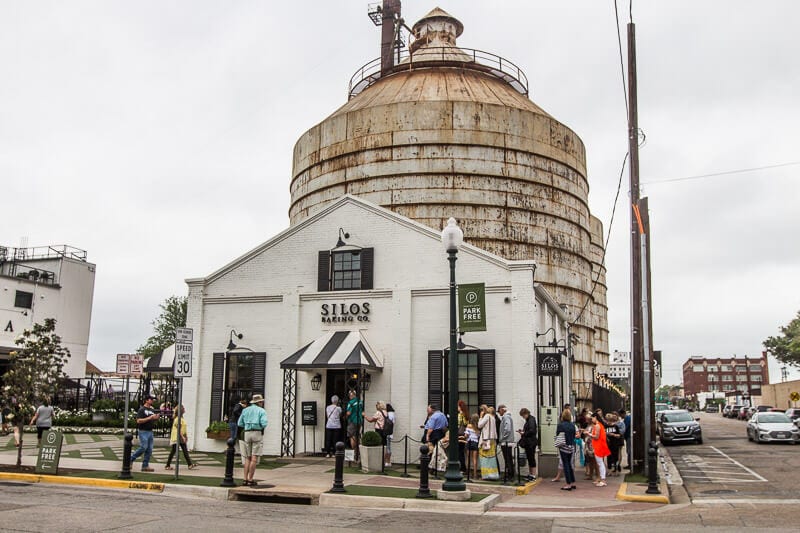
x,y
49,452
471,307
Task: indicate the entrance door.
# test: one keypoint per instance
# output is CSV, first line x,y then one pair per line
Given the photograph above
x,y
339,382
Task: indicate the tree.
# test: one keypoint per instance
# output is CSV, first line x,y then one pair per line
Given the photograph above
x,y
35,372
173,315
786,348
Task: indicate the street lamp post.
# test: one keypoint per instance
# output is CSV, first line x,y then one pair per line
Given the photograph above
x,y
452,237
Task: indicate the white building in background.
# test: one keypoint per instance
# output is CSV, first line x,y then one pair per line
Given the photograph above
x,y
47,282
620,366
356,294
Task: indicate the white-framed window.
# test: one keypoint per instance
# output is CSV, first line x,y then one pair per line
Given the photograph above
x,y
698,368
755,368
756,379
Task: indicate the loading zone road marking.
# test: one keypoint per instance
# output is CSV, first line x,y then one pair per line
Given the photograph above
x,y
707,466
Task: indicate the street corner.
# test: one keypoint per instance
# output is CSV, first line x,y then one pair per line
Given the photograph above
x,y
637,492
90,482
522,490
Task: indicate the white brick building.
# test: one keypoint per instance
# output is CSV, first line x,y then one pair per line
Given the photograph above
x,y
395,328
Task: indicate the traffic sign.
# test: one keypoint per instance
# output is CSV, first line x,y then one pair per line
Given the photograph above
x,y
794,396
137,364
183,335
123,363
183,360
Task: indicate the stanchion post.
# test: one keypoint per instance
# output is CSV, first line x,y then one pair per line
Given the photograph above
x,y
125,473
405,457
519,466
227,481
424,462
652,469
338,471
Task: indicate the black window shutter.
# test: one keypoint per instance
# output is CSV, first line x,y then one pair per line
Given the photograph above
x,y
217,384
323,271
259,373
486,391
367,262
435,378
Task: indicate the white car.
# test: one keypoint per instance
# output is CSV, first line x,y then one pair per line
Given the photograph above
x,y
772,427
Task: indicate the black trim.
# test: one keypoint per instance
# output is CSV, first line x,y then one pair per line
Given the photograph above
x,y
367,264
486,377
323,271
217,384
435,377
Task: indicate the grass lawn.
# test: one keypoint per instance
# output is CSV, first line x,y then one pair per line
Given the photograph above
x,y
635,478
394,492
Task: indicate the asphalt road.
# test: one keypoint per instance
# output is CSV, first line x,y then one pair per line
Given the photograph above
x,y
729,467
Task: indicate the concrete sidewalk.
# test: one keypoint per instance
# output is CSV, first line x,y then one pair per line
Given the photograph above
x,y
308,479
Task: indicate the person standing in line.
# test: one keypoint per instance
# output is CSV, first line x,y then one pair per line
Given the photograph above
x,y
567,428
627,434
487,451
393,419
145,420
435,426
179,437
600,447
471,436
43,418
529,439
614,441
254,421
463,420
333,426
354,420
233,420
506,438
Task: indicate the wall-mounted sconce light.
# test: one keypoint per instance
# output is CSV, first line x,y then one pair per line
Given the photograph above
x,y
342,236
316,382
366,382
231,344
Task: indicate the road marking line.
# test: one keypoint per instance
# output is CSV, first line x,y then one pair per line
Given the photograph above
x,y
711,479
734,461
749,501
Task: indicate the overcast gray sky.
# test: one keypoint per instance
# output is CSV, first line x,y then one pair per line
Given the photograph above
x,y
158,136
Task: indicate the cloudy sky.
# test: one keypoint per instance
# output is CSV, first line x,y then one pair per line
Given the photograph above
x,y
158,137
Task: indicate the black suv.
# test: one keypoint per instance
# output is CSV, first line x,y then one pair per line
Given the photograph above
x,y
679,426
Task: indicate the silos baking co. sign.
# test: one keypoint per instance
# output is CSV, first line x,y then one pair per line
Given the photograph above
x,y
337,313
548,363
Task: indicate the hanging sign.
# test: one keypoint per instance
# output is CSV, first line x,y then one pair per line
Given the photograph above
x,y
548,363
472,307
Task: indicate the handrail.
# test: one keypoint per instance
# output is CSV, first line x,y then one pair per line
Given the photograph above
x,y
469,58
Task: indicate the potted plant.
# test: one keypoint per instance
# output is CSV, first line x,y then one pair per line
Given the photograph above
x,y
371,451
218,430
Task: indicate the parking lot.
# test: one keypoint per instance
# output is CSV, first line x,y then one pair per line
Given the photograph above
x,y
729,468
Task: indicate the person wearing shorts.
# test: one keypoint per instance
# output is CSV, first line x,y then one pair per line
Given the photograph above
x,y
254,421
354,419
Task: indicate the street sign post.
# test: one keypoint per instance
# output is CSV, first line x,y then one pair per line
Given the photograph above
x,y
183,352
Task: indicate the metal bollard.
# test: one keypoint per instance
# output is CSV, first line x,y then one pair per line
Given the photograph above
x,y
230,454
125,473
338,472
652,469
424,462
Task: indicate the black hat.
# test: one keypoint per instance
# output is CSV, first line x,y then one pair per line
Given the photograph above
x,y
149,397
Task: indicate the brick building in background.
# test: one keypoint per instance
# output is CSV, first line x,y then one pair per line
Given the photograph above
x,y
734,376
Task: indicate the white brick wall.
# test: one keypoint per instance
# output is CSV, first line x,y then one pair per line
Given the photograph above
x,y
271,297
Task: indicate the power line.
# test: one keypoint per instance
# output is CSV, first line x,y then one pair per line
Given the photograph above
x,y
724,173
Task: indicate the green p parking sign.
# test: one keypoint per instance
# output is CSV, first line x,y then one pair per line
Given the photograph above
x,y
49,452
472,307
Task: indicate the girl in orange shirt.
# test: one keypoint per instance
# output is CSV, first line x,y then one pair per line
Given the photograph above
x,y
601,451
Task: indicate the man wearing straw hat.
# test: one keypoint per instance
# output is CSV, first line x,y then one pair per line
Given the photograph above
x,y
254,420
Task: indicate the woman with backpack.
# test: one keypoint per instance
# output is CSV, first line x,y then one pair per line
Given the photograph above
x,y
383,425
390,434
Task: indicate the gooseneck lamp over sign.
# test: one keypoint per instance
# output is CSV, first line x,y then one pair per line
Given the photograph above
x,y
452,237
231,344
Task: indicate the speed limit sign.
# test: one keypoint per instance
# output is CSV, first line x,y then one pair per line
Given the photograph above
x,y
183,360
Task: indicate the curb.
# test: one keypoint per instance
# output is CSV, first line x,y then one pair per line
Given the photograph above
x,y
647,498
92,482
432,505
527,487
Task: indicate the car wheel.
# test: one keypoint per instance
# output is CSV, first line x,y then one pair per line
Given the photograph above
x,y
749,437
700,441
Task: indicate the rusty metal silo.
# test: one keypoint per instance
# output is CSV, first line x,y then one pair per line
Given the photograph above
x,y
450,131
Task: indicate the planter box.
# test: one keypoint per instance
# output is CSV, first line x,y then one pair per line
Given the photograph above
x,y
371,458
218,435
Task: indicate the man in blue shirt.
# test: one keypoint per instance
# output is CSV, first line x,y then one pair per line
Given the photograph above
x,y
436,426
254,420
146,419
628,434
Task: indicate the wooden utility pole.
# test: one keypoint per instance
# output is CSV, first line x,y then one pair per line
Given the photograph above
x,y
640,438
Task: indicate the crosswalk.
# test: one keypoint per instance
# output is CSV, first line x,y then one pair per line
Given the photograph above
x,y
711,465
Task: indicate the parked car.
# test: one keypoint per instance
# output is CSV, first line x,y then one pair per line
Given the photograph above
x,y
679,426
726,410
661,407
769,427
764,408
733,412
746,412
793,413
712,408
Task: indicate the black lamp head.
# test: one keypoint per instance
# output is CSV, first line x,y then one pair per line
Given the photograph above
x,y
231,344
342,236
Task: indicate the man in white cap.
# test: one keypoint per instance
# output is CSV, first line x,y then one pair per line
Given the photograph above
x,y
254,420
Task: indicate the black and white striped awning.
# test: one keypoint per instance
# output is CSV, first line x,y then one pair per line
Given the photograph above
x,y
335,350
162,363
